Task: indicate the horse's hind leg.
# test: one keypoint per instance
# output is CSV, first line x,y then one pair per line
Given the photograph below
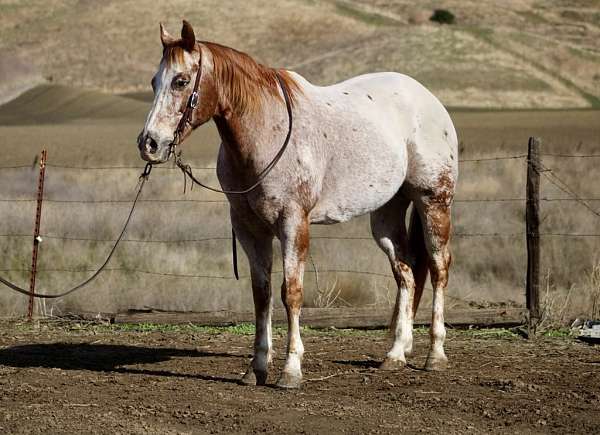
x,y
389,231
435,215
257,244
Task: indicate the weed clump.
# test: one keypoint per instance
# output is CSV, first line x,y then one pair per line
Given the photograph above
x,y
443,16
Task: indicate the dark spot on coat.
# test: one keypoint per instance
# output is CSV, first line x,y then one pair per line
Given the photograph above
x,y
345,93
370,98
328,103
452,156
325,135
445,133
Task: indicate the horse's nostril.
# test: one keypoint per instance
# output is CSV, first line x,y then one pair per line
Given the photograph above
x,y
151,145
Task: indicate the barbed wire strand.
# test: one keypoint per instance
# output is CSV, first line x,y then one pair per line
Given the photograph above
x,y
228,238
103,168
580,156
211,239
491,159
115,201
560,184
224,201
168,167
186,275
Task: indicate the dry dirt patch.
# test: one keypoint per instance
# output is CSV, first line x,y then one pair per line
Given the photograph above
x,y
182,381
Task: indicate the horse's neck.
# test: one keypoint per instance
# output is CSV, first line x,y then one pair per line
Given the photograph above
x,y
248,138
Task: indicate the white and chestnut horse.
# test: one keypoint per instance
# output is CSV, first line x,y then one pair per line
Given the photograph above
x,y
372,144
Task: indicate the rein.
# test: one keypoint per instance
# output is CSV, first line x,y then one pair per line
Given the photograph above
x,y
187,171
186,119
16,288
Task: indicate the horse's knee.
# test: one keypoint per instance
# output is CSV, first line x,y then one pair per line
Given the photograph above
x,y
292,294
439,267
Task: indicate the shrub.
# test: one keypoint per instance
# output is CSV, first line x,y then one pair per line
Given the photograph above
x,y
442,16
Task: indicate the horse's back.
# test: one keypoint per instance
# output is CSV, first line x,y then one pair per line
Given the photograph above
x,y
427,131
408,108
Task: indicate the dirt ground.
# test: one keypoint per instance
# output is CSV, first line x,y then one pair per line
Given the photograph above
x,y
117,380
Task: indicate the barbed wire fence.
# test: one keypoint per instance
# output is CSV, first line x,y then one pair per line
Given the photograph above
x,y
545,170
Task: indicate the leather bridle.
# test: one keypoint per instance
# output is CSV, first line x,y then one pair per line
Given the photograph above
x,y
186,118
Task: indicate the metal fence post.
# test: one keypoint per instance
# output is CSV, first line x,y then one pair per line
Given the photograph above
x,y
36,230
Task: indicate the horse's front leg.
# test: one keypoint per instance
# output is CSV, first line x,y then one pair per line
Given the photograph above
x,y
294,236
257,242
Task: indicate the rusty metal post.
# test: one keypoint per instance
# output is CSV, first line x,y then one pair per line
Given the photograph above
x,y
36,230
532,219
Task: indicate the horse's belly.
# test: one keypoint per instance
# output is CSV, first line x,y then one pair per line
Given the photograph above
x,y
333,213
363,189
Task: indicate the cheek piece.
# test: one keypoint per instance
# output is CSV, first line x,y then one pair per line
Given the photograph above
x,y
186,117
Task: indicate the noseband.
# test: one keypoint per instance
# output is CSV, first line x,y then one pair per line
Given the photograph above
x,y
186,118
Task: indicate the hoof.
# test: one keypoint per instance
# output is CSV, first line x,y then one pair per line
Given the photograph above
x,y
436,364
391,364
408,352
289,381
254,377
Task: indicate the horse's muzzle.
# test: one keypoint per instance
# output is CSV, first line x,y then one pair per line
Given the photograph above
x,y
150,150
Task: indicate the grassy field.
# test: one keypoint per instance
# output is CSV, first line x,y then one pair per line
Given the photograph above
x,y
82,70
486,270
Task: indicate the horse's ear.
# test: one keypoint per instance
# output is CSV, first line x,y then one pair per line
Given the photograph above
x,y
187,36
165,37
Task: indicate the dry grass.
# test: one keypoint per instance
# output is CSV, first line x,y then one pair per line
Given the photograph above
x,y
560,305
525,54
486,270
593,289
326,297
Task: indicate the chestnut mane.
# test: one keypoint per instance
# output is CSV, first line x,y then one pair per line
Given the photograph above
x,y
239,78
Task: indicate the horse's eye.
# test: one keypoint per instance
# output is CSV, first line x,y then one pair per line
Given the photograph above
x,y
180,82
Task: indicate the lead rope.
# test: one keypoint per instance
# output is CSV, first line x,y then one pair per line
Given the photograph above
x,y
16,288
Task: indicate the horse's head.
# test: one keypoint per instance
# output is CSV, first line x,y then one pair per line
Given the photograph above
x,y
173,85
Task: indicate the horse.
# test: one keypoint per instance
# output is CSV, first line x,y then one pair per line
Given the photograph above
x,y
375,143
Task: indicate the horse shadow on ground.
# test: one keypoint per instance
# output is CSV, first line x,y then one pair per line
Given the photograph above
x,y
373,364
106,358
364,364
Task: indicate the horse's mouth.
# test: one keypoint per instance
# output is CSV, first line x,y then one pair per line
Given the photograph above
x,y
155,158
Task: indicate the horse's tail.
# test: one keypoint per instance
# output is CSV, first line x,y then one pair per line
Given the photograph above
x,y
418,249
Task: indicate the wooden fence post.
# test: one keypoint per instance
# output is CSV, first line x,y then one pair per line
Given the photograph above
x,y
532,217
36,231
